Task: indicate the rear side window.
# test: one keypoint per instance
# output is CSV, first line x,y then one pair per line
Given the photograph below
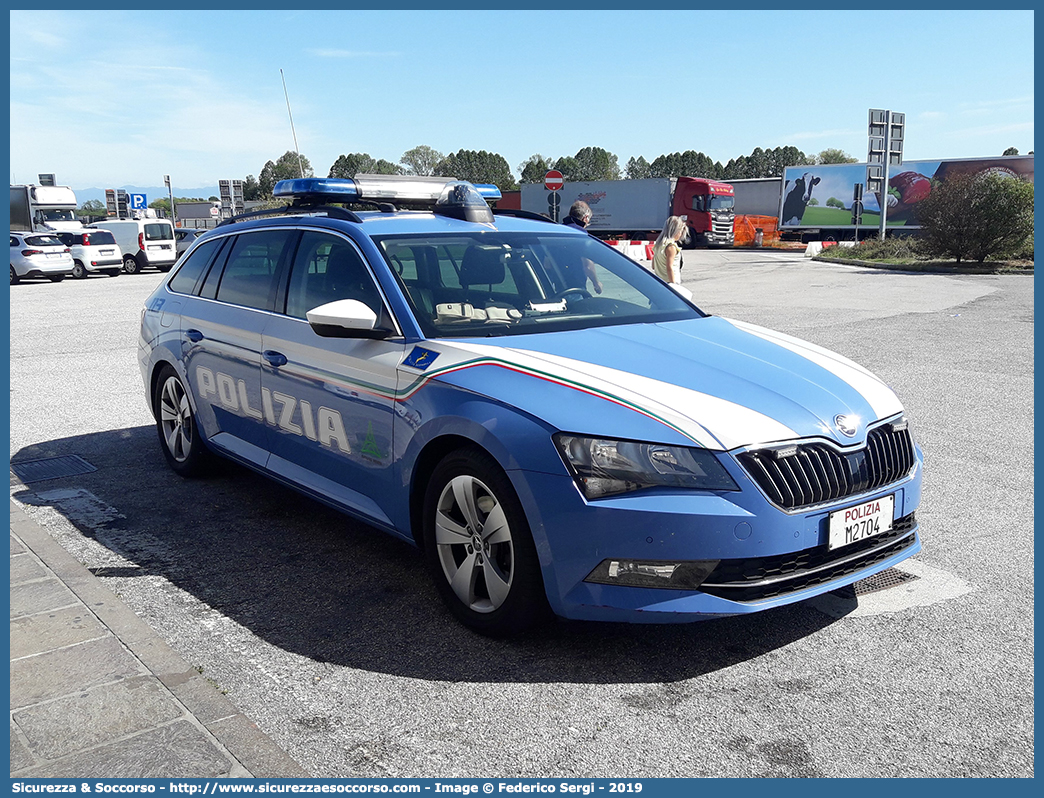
x,y
159,232
184,282
101,237
249,276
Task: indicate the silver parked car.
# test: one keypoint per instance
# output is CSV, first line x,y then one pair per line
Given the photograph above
x,y
39,255
185,237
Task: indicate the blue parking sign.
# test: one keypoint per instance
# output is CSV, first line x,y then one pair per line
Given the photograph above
x,y
136,202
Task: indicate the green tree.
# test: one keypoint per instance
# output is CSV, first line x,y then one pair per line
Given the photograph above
x,y
286,167
813,201
638,168
977,216
360,163
91,208
569,168
533,169
478,167
831,155
251,189
685,164
1010,151
834,202
421,160
594,163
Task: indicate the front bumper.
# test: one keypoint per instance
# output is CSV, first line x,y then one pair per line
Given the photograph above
x,y
768,557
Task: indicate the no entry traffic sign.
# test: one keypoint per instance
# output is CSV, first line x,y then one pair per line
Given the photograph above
x,y
553,180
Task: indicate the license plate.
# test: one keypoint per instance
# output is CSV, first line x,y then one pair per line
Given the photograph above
x,y
860,522
54,254
106,252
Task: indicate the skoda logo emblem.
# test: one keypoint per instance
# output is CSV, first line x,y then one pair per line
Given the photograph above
x,y
849,425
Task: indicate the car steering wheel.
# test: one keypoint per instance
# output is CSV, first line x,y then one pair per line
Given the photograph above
x,y
581,291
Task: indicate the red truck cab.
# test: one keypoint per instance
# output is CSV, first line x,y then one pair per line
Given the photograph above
x,y
708,207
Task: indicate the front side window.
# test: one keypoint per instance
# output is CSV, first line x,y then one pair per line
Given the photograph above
x,y
490,284
185,279
328,268
249,276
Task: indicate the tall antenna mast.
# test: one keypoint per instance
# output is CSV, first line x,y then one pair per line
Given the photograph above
x,y
300,164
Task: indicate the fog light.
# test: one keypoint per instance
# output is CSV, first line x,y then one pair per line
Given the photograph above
x,y
686,575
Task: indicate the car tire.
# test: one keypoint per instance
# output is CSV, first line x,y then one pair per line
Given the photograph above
x,y
56,278
179,436
114,272
130,264
14,276
79,272
166,268
487,571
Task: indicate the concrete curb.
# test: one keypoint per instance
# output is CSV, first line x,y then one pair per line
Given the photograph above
x,y
923,267
223,733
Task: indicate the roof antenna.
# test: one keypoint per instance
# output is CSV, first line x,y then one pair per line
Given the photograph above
x,y
300,164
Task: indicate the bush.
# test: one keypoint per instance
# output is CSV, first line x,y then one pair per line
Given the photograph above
x,y
975,217
893,248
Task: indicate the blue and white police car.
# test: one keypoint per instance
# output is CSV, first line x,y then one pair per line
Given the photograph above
x,y
556,428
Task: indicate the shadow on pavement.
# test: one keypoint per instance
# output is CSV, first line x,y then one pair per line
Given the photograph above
x,y
314,582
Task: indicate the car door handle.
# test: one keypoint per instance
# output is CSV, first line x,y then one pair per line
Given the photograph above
x,y
276,359
194,335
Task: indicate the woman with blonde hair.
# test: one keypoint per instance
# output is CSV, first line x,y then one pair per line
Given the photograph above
x,y
666,260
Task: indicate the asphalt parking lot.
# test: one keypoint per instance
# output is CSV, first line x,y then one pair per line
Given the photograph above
x,y
330,636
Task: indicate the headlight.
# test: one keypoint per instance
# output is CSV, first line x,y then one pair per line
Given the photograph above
x,y
605,467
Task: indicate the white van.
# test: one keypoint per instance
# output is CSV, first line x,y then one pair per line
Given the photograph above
x,y
144,242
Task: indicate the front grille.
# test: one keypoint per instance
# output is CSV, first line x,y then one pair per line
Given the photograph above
x,y
756,578
818,473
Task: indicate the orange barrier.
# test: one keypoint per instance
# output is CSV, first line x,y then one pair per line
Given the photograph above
x,y
746,229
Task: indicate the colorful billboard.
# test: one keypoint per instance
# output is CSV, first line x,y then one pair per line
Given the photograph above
x,y
822,196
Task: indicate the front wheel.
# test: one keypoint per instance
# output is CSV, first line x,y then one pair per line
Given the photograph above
x,y
130,264
179,436
479,548
79,271
14,276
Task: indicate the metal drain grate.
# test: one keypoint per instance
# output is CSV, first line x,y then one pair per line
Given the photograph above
x,y
890,577
66,465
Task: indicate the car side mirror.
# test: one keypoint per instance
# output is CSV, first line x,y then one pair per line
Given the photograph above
x,y
346,318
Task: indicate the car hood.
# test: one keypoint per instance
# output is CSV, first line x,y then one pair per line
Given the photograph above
x,y
720,383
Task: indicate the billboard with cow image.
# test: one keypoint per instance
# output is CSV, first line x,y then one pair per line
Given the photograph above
x,y
821,196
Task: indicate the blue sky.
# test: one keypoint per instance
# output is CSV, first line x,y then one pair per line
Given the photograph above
x,y
114,98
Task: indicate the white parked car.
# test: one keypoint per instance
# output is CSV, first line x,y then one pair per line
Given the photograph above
x,y
39,255
144,242
93,251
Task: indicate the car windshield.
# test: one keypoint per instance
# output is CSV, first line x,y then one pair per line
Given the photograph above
x,y
489,284
718,202
43,241
57,215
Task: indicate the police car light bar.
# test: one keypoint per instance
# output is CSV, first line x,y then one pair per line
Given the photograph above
x,y
377,188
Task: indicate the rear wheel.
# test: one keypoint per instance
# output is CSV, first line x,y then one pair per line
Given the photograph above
x,y
176,425
130,264
14,276
114,272
56,278
479,548
79,271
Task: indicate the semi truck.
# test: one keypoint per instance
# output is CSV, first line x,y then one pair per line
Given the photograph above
x,y
814,203
639,208
43,208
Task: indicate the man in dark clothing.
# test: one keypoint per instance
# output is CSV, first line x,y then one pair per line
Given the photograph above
x,y
577,270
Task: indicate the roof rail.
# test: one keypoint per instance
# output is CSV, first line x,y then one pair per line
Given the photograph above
x,y
539,217
288,210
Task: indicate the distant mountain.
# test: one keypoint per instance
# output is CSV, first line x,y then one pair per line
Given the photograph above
x,y
152,193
